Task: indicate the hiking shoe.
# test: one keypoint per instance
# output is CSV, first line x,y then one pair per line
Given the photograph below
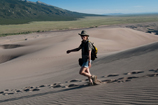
x,y
90,83
94,79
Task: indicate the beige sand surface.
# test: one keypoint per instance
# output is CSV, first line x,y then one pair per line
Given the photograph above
x,y
29,61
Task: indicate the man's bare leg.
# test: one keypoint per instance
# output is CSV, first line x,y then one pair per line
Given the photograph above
x,y
85,71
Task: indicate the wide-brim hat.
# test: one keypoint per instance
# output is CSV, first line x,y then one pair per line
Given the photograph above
x,y
83,33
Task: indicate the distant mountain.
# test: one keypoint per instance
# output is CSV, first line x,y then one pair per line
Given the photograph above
x,y
114,14
131,14
23,11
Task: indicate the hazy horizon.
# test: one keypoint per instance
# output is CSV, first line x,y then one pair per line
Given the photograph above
x,y
105,6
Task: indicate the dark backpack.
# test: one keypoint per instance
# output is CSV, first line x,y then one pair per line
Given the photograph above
x,y
94,52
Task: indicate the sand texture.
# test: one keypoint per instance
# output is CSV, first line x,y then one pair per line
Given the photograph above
x,y
35,69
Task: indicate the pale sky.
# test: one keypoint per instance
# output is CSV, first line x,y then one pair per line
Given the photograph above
x,y
105,6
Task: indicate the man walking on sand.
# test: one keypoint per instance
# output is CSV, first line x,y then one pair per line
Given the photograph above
x,y
86,47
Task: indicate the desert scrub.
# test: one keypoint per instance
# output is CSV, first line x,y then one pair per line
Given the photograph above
x,y
87,22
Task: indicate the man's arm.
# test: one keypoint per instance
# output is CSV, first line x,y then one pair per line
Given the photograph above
x,y
73,50
89,56
89,60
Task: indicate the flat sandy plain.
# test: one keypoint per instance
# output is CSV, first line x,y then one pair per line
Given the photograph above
x,y
35,69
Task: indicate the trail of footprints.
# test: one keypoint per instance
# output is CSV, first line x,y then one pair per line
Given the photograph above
x,y
83,83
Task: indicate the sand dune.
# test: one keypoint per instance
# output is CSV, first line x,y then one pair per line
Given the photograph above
x,y
35,68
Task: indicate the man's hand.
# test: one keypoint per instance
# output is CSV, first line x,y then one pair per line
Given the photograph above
x,y
89,64
68,51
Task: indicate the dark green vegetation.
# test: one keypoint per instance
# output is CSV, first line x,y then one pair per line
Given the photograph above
x,y
23,11
141,23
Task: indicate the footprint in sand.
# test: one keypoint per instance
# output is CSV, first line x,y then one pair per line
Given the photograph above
x,y
154,70
134,72
36,89
7,92
31,88
76,80
1,92
73,85
111,75
151,75
27,90
51,85
18,91
108,81
41,86
58,85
